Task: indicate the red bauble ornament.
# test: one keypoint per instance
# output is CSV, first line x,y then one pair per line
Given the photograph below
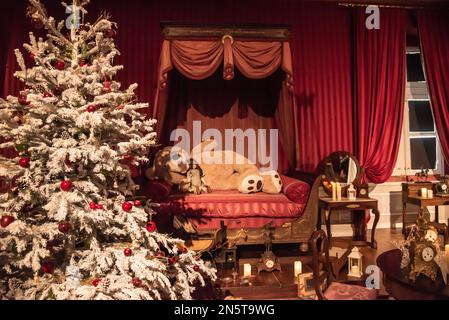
x,y
120,107
6,221
100,206
60,65
91,108
48,267
65,227
32,57
96,282
107,90
136,282
110,33
82,63
57,91
23,100
66,185
107,84
127,252
137,203
196,268
172,260
151,226
48,95
127,206
24,162
93,205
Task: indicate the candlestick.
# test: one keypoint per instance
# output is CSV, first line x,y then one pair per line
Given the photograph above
x,y
246,270
334,191
423,192
338,191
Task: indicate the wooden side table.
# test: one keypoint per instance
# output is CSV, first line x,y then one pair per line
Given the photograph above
x,y
359,206
410,194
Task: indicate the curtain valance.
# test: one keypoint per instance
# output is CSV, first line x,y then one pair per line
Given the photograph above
x,y
198,60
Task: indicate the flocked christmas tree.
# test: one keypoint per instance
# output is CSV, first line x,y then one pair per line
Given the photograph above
x,y
70,228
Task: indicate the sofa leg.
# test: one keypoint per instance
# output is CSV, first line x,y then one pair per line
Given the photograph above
x,y
304,247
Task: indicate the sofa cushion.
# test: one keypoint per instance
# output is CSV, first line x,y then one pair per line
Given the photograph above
x,y
157,190
295,190
233,205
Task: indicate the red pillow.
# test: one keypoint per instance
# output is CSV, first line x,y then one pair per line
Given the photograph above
x,y
295,190
157,190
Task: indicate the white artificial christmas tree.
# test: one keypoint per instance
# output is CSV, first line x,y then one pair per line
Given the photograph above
x,y
70,228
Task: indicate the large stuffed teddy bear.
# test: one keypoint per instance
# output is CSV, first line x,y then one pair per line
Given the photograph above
x,y
222,169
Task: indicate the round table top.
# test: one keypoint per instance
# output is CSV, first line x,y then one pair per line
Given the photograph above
x,y
400,286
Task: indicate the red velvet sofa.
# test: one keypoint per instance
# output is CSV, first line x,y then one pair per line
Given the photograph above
x,y
293,213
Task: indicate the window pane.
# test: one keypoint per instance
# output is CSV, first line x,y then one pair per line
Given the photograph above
x,y
414,68
420,116
423,153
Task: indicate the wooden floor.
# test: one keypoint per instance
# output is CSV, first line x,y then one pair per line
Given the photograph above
x,y
281,285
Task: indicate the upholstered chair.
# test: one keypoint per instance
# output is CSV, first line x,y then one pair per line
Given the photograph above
x,y
326,287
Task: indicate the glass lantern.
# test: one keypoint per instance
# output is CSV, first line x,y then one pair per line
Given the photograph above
x,y
355,263
351,192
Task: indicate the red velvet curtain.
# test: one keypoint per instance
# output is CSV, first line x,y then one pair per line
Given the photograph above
x,y
434,35
322,47
379,91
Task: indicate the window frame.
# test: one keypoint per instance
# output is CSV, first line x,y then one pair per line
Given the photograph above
x,y
416,91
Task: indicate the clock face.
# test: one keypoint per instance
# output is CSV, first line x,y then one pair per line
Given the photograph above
x,y
427,254
362,192
269,264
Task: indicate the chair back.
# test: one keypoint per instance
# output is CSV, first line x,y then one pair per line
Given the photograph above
x,y
322,270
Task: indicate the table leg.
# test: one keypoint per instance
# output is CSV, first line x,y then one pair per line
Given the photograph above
x,y
404,212
327,217
373,232
437,215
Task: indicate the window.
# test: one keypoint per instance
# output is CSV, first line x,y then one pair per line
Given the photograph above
x,y
420,147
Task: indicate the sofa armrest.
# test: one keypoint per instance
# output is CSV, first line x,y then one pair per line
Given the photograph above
x,y
295,190
301,175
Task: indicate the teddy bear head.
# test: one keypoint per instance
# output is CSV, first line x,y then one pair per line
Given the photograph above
x,y
170,164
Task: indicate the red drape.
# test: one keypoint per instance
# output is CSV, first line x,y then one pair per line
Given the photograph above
x,y
255,60
434,35
379,91
321,47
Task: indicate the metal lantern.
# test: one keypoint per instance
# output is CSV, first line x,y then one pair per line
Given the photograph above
x,y
355,263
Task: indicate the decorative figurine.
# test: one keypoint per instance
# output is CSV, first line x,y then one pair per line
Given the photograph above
x,y
195,179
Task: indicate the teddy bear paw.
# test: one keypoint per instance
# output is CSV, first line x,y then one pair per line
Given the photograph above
x,y
251,184
272,182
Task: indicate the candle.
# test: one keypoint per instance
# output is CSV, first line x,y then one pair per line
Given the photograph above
x,y
355,270
246,270
298,268
338,191
334,191
430,194
446,248
423,192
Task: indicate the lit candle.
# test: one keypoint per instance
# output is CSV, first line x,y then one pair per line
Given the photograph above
x,y
446,248
298,268
355,270
423,192
430,194
334,191
338,191
246,270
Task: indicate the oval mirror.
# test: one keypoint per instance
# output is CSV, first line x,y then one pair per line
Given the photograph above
x,y
341,167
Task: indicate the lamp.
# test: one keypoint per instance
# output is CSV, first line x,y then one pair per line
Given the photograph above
x,y
355,263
